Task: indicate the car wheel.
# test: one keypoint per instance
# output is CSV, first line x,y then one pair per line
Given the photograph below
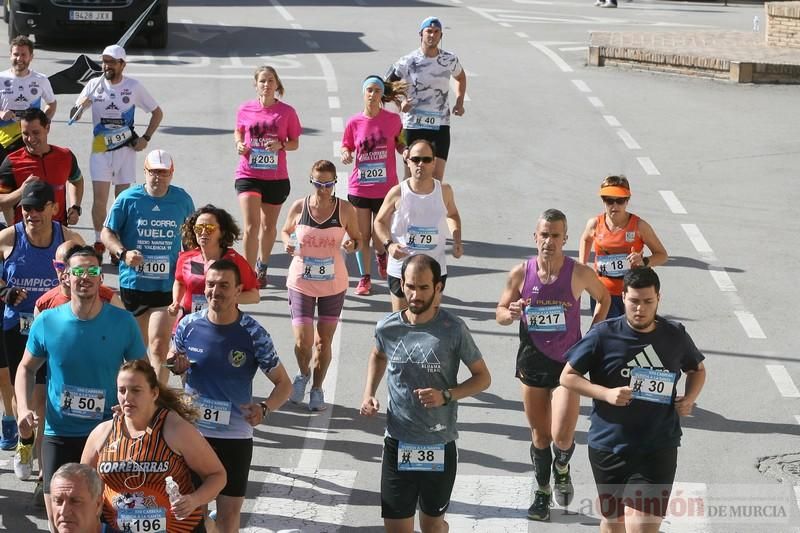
x,y
5,11
159,37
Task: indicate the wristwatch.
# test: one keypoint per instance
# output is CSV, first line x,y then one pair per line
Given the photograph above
x,y
387,243
264,410
447,396
146,137
78,209
121,254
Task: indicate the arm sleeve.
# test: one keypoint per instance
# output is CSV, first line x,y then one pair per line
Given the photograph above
x,y
468,351
293,127
584,354
116,216
144,99
248,275
136,348
455,68
177,338
47,91
36,336
692,357
263,347
75,174
348,137
179,266
7,181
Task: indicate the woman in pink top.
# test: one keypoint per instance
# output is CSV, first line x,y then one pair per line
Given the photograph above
x,y
314,233
371,139
266,129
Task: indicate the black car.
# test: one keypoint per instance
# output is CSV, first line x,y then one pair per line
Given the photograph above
x,y
63,18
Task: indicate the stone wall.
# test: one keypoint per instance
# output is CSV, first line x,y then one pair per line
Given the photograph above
x,y
783,24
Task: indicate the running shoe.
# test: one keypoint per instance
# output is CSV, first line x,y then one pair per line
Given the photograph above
x,y
540,508
100,249
261,275
23,461
299,388
598,3
608,3
364,286
38,494
9,440
316,401
383,261
562,486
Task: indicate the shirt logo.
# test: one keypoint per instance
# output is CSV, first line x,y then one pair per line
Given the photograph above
x,y
417,356
237,358
156,208
643,359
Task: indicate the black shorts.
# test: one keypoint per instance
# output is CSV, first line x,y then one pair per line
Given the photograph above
x,y
273,192
140,302
440,139
14,347
236,456
58,451
401,491
396,286
535,369
641,481
373,204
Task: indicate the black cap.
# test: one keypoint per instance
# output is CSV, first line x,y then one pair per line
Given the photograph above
x,y
36,194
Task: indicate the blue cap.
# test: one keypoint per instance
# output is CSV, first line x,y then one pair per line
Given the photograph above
x,y
430,21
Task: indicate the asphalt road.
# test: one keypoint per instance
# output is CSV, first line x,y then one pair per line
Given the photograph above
x,y
712,166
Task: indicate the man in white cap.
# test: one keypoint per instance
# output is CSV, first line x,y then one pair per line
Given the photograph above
x,y
143,232
426,109
114,99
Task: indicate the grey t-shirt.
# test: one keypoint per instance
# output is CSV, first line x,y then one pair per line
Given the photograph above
x,y
423,356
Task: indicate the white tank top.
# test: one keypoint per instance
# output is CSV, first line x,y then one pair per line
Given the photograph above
x,y
420,224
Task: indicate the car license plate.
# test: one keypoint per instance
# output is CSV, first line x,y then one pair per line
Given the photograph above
x,y
90,16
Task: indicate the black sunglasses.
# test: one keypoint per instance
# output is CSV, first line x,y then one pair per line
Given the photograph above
x,y
421,159
610,201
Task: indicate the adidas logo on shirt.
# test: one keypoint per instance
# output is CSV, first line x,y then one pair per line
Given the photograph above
x,y
647,358
156,208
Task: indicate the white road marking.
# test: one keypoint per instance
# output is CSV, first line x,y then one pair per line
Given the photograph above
x,y
457,1
314,45
612,121
522,35
581,86
333,102
783,381
672,202
504,24
573,48
596,102
554,57
282,10
328,72
296,26
648,166
721,278
337,125
751,326
698,241
628,139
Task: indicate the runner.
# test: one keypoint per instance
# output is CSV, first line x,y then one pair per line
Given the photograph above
x,y
77,499
208,235
317,276
635,362
227,347
426,110
416,217
114,98
151,439
370,139
39,160
266,128
419,453
84,344
544,296
143,232
619,239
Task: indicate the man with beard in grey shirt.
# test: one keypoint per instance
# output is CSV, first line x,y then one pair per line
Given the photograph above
x,y
422,346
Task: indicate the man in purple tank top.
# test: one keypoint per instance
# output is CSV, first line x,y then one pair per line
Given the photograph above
x,y
543,295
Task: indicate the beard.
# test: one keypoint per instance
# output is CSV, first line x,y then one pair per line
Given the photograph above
x,y
419,306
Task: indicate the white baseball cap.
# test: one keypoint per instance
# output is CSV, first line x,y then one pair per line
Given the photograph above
x,y
115,51
159,160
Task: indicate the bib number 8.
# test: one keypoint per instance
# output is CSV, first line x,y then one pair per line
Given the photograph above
x,y
211,414
427,456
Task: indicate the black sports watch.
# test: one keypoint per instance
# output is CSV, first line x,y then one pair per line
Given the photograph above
x,y
146,137
78,209
387,243
121,254
264,410
447,396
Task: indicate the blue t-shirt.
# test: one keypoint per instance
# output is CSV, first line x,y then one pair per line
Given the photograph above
x,y
423,356
609,352
152,226
225,359
83,359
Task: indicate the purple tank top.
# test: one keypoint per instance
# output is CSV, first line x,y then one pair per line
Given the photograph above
x,y
552,315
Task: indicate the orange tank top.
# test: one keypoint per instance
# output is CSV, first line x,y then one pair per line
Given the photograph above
x,y
134,473
611,250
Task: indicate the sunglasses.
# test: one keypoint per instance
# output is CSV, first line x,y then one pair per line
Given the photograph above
x,y
36,208
421,159
322,184
92,271
611,201
205,228
60,266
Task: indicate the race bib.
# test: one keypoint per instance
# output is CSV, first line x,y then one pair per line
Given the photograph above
x,y
199,302
613,265
117,137
154,267
372,172
427,120
142,520
261,159
422,238
214,414
25,321
545,318
318,268
652,385
420,457
83,402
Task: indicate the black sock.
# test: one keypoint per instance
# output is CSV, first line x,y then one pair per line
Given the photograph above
x,y
542,459
563,456
27,441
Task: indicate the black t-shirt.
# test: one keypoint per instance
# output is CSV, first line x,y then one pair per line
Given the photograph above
x,y
608,352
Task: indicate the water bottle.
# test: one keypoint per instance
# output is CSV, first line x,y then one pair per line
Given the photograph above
x,y
756,24
173,491
294,243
